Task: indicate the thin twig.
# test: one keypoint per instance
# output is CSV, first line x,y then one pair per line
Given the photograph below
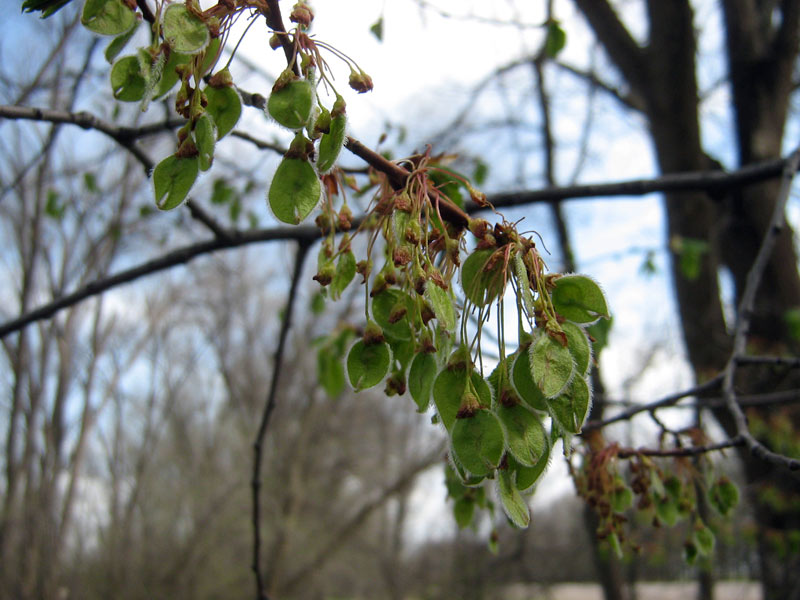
x,y
236,238
745,314
269,406
664,402
124,136
687,451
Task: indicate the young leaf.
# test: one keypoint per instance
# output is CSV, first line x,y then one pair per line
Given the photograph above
x,y
184,31
367,365
556,39
345,271
463,511
527,476
525,435
387,303
571,408
448,387
169,76
724,496
295,190
524,385
225,106
291,104
578,346
421,376
118,44
621,496
205,137
480,285
478,442
330,371
331,144
482,388
107,17
442,305
514,504
551,365
127,80
703,538
173,177
578,298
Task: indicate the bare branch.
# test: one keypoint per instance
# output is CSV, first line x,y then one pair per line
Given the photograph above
x,y
686,451
746,309
269,406
706,180
124,136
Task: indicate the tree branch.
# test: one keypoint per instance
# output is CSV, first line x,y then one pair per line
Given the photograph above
x,y
269,406
124,136
623,50
745,312
673,452
709,181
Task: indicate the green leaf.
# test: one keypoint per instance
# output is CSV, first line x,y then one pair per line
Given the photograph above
x,y
478,442
703,537
613,543
330,371
724,496
421,376
621,496
524,385
556,39
222,193
690,253
526,477
667,510
578,298
331,144
173,177
578,346
571,408
442,305
225,106
317,304
600,331
291,105
184,31
514,504
367,365
345,271
53,208
128,83
482,389
384,304
463,511
525,435
47,7
205,137
118,44
169,76
448,387
690,553
377,29
482,286
107,17
551,365
295,190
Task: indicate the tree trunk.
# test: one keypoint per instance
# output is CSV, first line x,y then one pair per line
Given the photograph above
x,y
762,48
